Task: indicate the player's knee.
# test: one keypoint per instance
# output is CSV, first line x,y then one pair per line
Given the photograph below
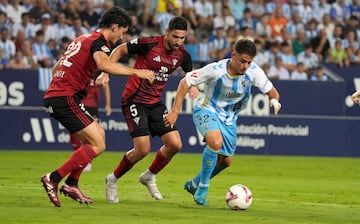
x,y
214,144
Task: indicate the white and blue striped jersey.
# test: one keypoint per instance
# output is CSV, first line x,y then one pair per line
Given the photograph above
x,y
227,95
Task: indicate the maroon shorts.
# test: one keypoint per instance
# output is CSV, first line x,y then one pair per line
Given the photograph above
x,y
143,119
69,111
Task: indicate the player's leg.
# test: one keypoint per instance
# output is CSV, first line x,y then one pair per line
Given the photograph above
x,y
172,145
72,116
141,139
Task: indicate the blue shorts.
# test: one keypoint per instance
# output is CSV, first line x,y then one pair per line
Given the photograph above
x,y
206,120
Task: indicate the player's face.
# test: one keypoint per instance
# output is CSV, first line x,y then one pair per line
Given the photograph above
x,y
240,63
174,39
117,33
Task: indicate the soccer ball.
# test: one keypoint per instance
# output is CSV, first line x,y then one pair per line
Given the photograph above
x,y
239,197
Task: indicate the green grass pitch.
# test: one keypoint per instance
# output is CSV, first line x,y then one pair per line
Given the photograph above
x,y
285,190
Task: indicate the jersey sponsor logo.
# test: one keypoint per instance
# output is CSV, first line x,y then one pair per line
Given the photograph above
x,y
105,49
157,58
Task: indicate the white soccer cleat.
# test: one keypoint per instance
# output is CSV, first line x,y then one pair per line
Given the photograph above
x,y
111,190
150,183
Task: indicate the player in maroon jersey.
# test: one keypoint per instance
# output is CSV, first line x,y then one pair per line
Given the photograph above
x,y
142,106
91,103
84,58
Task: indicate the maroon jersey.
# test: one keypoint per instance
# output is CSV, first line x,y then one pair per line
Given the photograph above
x,y
77,66
93,95
151,54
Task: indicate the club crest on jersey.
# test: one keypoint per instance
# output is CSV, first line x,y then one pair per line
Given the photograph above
x,y
105,49
244,83
174,61
194,75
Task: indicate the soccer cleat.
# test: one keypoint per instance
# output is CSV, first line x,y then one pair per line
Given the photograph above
x,y
51,189
200,196
150,183
111,190
189,187
75,193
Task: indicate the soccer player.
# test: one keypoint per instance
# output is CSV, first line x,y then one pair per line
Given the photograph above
x,y
84,58
142,106
91,103
227,90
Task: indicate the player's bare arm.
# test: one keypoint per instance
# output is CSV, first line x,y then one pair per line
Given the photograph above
x,y
171,117
274,100
105,64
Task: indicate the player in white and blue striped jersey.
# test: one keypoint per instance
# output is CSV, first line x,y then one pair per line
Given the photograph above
x,y
227,90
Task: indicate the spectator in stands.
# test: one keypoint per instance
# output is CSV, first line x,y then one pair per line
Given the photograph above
x,y
350,41
146,10
203,50
78,28
72,10
339,11
19,40
288,58
278,71
7,44
273,50
338,55
62,29
89,16
28,55
352,54
352,24
35,13
257,8
319,75
247,20
299,42
219,44
161,19
305,10
321,7
47,27
14,11
295,24
204,13
25,25
354,8
3,60
277,22
311,31
231,34
262,57
321,45
4,21
246,33
226,19
271,6
308,58
337,35
263,29
327,25
41,50
188,11
16,62
135,28
299,72
237,8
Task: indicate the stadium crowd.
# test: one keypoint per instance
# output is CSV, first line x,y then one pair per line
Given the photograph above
x,y
293,37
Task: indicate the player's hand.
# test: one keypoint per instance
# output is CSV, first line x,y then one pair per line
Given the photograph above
x,y
145,74
276,105
355,98
102,79
170,119
108,110
194,92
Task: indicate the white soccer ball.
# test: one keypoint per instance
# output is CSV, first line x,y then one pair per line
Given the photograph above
x,y
239,197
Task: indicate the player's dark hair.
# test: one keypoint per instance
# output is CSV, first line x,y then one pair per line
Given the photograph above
x,y
177,23
245,46
115,15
